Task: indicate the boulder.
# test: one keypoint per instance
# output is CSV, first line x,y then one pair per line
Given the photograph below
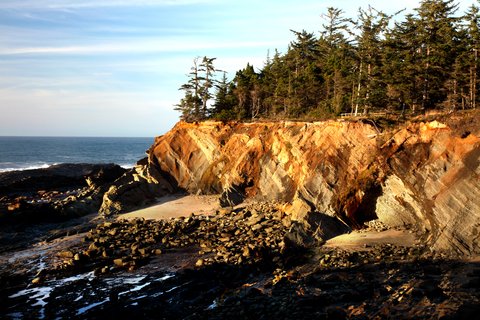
x,y
232,196
137,188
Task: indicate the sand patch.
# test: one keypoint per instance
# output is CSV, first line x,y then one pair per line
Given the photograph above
x,y
362,240
174,206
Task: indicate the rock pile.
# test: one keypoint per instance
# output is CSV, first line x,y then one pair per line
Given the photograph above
x,y
333,259
245,236
393,283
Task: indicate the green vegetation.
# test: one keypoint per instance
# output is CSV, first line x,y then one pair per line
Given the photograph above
x,y
429,60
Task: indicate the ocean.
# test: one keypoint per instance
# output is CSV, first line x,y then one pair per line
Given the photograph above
x,y
21,153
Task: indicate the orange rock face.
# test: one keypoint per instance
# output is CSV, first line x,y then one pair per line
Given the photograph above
x,y
275,161
423,174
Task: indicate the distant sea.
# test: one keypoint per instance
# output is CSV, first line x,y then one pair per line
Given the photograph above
x,y
21,153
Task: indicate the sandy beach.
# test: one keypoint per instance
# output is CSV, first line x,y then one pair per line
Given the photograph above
x,y
173,206
360,240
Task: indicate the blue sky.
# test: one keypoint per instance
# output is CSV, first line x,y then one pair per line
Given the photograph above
x,y
113,67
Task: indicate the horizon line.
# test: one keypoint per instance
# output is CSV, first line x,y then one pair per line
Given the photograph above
x,y
73,136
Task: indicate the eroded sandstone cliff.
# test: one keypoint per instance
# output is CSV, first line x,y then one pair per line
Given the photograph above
x,y
424,175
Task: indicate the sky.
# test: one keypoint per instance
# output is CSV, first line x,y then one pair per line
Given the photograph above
x,y
113,67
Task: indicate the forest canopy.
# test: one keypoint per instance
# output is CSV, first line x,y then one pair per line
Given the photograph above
x,y
371,63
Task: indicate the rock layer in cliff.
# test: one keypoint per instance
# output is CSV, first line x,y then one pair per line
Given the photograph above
x,y
424,175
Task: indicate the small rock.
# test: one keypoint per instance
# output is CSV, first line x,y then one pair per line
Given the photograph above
x,y
199,263
37,280
118,262
66,254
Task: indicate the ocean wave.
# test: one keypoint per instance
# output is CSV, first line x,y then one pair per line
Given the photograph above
x,y
7,167
127,165
26,166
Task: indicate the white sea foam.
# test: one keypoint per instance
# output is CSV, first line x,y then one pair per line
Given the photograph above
x,y
126,166
45,166
213,305
91,306
27,167
134,280
165,277
136,288
39,294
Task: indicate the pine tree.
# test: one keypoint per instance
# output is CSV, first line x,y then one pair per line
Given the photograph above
x,y
189,106
372,25
246,92
208,81
225,101
193,106
472,45
401,71
437,37
304,76
427,60
335,60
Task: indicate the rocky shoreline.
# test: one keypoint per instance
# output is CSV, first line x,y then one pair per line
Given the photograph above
x,y
40,204
59,191
253,261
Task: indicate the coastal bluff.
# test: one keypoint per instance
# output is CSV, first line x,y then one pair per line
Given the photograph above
x,y
423,175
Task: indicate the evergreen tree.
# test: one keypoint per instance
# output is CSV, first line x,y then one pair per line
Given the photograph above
x,y
437,35
193,106
401,69
304,74
336,59
189,106
370,91
208,81
276,82
225,101
472,45
427,60
247,93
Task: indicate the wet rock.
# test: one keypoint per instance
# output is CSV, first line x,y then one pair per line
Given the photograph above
x,y
119,262
66,254
37,280
54,194
199,263
297,238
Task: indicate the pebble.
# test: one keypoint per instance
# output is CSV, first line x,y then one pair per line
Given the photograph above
x,y
37,280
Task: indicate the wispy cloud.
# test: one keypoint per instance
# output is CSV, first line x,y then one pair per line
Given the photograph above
x,y
146,46
78,4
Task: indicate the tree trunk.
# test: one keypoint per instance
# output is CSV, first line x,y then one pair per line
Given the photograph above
x,y
352,102
425,81
367,91
474,96
358,88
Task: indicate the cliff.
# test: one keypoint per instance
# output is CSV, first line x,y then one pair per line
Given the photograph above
x,y
423,175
